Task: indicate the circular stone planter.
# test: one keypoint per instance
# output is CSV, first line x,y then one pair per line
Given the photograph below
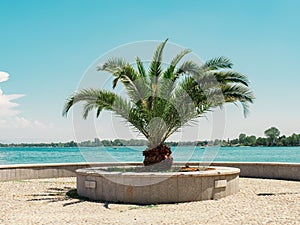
x,y
156,187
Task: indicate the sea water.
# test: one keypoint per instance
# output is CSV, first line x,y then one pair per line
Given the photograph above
x,y
38,155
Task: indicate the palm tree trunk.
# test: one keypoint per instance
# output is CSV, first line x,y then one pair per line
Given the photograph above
x,y
158,158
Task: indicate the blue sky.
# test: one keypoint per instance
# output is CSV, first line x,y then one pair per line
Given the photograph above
x,y
45,47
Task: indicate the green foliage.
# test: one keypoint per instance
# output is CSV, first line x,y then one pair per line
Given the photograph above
x,y
250,140
272,134
245,140
234,141
272,139
261,141
166,98
242,138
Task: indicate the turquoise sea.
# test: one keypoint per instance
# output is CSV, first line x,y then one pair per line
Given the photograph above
x,y
37,155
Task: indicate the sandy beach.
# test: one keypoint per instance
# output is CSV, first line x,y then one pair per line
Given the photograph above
x,y
44,201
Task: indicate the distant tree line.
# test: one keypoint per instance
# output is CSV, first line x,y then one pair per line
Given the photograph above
x,y
95,143
116,142
42,145
272,138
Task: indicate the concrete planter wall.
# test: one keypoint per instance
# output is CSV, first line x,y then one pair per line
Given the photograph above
x,y
284,171
157,187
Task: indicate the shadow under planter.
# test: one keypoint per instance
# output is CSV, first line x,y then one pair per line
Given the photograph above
x,y
99,183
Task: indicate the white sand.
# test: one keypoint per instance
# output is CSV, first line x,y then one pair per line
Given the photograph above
x,y
44,202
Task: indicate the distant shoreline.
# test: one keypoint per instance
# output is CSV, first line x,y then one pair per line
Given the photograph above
x,y
272,139
45,145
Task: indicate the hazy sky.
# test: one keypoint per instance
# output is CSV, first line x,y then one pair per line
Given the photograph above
x,y
46,46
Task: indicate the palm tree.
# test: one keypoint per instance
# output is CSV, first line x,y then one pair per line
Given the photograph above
x,y
162,100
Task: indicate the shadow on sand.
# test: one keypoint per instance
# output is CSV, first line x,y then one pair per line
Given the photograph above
x,y
60,195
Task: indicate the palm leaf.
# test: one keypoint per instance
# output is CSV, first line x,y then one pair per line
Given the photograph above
x,y
155,65
188,67
155,71
141,68
169,73
167,81
92,96
162,101
230,76
217,63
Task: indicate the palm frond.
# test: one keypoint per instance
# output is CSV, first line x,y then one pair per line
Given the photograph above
x,y
141,68
98,99
188,67
167,81
217,63
125,73
155,65
102,98
230,76
162,101
155,71
245,108
89,106
169,73
238,93
121,107
119,68
139,118
113,65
